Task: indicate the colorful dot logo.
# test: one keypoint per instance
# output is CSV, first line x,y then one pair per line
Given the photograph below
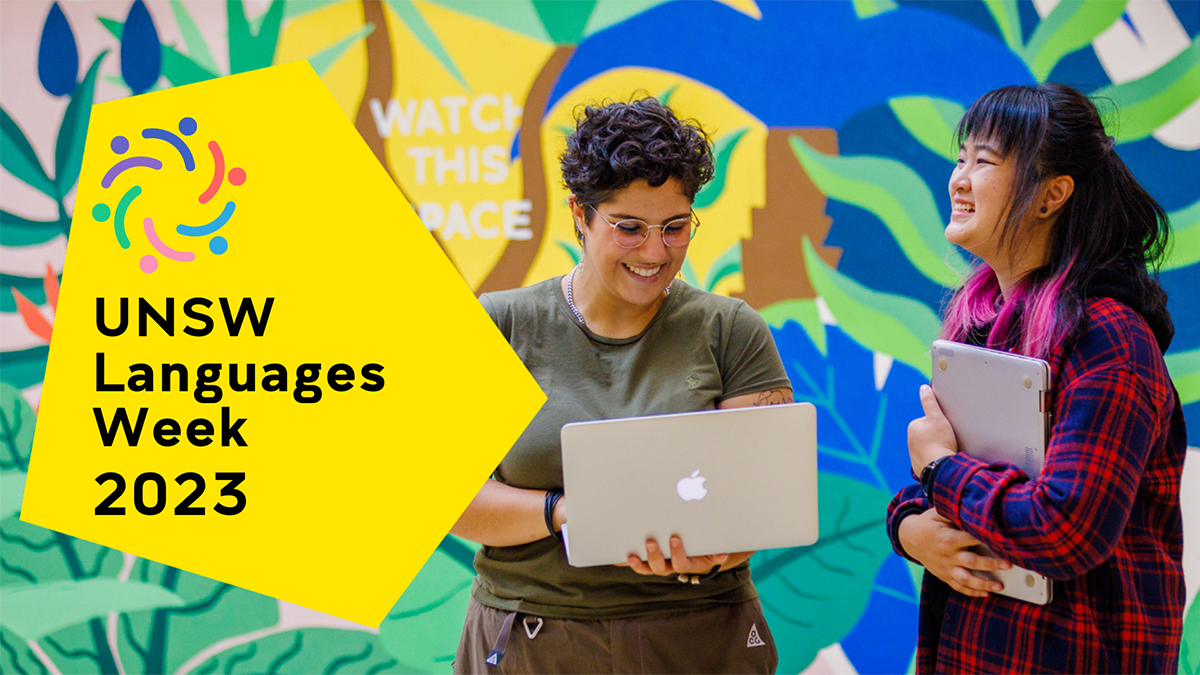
x,y
216,244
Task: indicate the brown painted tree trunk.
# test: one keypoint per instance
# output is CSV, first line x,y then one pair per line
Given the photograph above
x,y
773,258
518,256
380,73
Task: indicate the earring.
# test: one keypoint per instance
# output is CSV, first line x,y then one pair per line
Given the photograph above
x,y
1043,209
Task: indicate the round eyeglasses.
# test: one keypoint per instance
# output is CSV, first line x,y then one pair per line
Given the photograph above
x,y
632,233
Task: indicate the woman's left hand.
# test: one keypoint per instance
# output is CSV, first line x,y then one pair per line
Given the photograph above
x,y
931,436
656,564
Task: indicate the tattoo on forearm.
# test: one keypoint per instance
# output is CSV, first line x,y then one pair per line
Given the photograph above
x,y
773,397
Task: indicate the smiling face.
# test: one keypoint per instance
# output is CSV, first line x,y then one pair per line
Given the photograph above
x,y
980,191
634,277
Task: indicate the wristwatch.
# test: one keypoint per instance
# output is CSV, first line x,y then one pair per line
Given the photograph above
x,y
927,477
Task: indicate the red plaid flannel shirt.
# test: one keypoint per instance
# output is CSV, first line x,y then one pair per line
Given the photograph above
x,y
1103,521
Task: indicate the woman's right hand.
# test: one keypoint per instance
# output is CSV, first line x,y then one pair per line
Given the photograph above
x,y
944,550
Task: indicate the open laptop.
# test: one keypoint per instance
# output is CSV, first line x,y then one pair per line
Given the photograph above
x,y
999,406
725,481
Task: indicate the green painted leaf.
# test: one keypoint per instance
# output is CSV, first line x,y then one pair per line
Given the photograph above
x,y
16,656
180,69
689,274
212,611
892,324
31,287
518,17
609,13
34,611
18,231
241,39
665,98
814,595
729,262
293,9
309,650
1189,648
248,49
1008,19
572,250
18,158
1072,25
420,29
68,149
24,368
193,39
931,121
17,421
1185,238
1185,373
1147,103
803,312
897,196
423,628
12,491
266,37
564,21
722,150
866,9
324,59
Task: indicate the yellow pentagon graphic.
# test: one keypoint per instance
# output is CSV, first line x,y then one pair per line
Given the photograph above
x,y
237,376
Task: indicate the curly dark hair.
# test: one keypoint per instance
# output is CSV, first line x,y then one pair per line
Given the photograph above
x,y
615,144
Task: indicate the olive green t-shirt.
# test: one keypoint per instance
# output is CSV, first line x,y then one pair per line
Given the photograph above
x,y
699,349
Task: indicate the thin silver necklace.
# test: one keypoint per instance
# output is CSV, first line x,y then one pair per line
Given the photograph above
x,y
571,296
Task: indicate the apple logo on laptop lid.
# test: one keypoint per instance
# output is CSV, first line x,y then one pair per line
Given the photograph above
x,y
692,487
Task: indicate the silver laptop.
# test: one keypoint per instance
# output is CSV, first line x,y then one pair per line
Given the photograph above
x,y
999,406
725,481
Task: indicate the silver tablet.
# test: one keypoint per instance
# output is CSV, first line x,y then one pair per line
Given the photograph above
x,y
999,406
725,481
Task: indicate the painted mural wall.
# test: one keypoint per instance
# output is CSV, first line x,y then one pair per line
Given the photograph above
x,y
831,123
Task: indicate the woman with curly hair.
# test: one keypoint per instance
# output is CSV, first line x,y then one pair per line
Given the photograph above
x,y
618,336
1065,235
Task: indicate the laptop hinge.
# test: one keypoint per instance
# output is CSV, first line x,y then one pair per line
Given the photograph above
x,y
1045,401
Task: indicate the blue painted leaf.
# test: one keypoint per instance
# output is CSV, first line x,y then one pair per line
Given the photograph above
x,y
141,52
178,68
58,56
862,432
861,435
68,149
19,159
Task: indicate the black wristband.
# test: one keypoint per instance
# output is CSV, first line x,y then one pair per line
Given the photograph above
x,y
927,477
552,497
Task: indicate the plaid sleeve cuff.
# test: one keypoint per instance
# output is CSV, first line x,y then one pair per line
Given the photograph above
x,y
907,502
948,483
910,509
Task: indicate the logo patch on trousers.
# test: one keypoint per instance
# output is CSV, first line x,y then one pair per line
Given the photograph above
x,y
754,640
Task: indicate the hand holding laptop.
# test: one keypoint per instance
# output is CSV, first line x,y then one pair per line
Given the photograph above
x,y
679,562
931,436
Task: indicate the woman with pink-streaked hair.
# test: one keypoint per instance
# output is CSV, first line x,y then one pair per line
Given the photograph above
x,y
1065,235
